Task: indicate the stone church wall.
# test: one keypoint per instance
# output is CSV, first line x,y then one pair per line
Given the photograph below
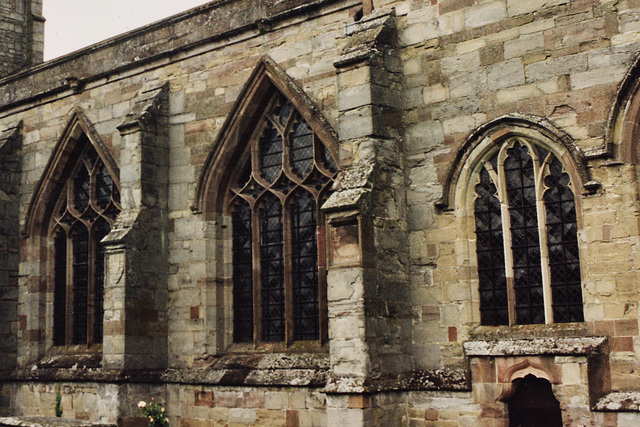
x,y
414,92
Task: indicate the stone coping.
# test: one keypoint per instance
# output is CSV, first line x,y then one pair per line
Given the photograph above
x,y
536,346
168,39
624,401
262,369
47,422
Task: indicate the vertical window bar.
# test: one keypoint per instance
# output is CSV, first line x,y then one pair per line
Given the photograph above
x,y
525,239
562,241
304,253
60,288
242,273
272,270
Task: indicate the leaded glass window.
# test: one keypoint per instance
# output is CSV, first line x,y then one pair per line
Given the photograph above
x,y
526,238
84,214
279,277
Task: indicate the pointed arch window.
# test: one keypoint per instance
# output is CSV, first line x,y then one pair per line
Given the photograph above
x,y
84,213
279,277
526,238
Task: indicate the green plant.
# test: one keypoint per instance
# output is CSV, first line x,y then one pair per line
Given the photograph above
x,y
58,407
155,412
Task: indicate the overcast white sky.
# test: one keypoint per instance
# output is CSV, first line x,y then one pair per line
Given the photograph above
x,y
74,24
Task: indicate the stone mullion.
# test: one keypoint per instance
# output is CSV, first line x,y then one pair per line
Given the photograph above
x,y
287,237
91,297
540,171
257,268
507,241
288,270
68,318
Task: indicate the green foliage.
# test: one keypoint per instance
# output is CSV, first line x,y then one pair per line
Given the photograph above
x,y
58,407
155,412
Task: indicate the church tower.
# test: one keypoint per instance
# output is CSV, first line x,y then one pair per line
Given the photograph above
x,y
21,35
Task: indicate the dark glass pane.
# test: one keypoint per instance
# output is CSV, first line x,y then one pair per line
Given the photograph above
x,y
301,149
304,278
60,288
80,284
284,185
272,269
282,110
525,245
270,153
90,155
245,176
103,187
101,231
329,162
242,274
316,180
564,262
490,251
81,186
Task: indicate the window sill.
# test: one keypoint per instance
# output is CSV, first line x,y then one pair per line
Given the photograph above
x,y
556,330
297,347
71,357
563,346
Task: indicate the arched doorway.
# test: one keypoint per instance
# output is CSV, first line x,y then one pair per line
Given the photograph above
x,y
533,404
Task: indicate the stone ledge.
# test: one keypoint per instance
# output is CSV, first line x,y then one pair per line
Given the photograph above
x,y
535,346
293,370
47,422
619,401
426,380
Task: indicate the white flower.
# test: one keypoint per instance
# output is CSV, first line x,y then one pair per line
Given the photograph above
x,y
142,404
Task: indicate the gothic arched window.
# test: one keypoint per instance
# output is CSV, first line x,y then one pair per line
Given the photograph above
x,y
274,199
526,238
83,215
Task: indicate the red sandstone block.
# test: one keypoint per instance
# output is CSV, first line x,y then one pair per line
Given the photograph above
x,y
194,312
626,327
204,398
133,422
484,371
358,401
610,419
447,6
453,334
292,419
252,399
431,415
604,327
621,344
226,399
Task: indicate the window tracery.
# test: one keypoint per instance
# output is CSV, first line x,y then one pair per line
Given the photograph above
x,y
526,238
277,239
84,214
